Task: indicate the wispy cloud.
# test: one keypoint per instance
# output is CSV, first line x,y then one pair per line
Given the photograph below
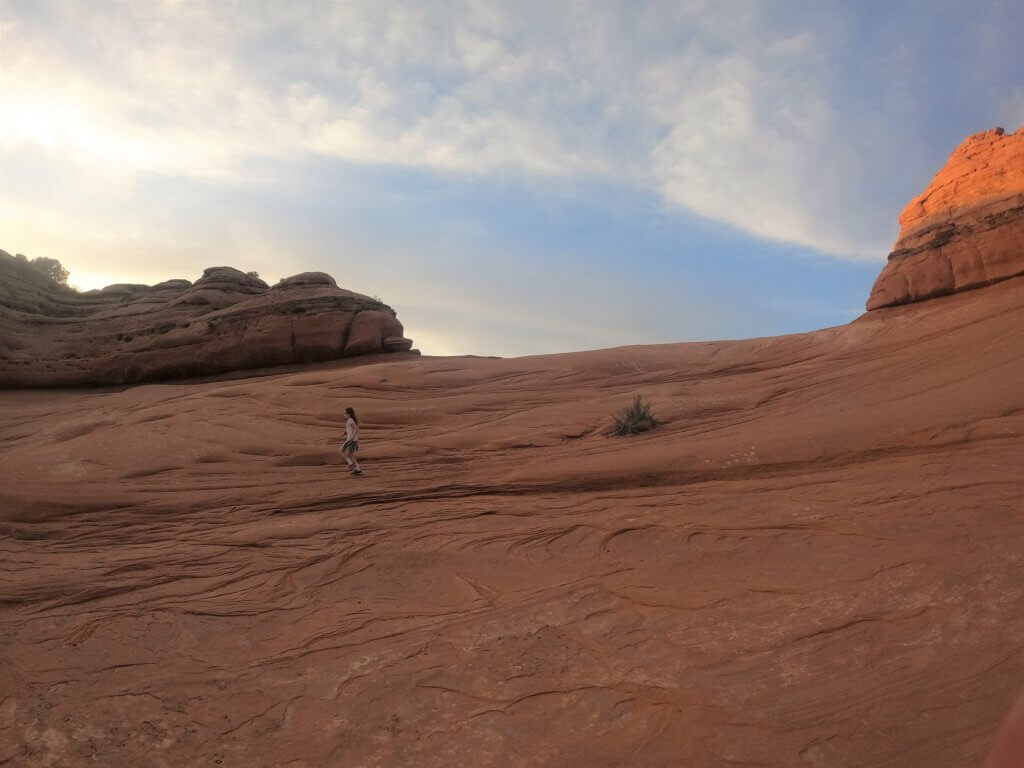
x,y
718,107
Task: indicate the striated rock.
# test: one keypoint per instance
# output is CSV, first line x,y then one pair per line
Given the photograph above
x,y
366,336
397,344
225,321
307,278
966,230
815,562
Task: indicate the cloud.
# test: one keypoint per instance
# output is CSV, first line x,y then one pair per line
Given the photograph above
x,y
746,114
721,128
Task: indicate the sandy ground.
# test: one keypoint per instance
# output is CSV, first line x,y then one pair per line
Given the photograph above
x,y
815,560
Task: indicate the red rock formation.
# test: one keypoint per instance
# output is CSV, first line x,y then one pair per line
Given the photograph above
x,y
226,321
965,230
815,562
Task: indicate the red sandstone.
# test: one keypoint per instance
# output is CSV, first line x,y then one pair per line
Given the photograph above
x,y
814,561
966,230
228,321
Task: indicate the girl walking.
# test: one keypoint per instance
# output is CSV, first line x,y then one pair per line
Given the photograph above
x,y
351,444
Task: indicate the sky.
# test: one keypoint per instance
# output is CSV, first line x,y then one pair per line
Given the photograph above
x,y
512,177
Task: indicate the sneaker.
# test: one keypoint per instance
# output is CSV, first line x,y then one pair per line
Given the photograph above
x,y
357,471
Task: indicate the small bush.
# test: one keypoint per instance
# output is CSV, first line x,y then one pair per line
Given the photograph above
x,y
635,418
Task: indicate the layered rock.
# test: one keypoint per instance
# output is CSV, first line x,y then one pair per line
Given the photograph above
x,y
226,321
966,230
813,563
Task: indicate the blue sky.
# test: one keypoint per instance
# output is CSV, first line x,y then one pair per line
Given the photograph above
x,y
513,178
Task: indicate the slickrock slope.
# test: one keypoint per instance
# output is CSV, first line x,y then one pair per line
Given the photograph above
x,y
965,230
815,561
226,321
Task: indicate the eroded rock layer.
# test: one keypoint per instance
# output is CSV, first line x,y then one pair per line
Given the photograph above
x,y
965,230
814,561
226,321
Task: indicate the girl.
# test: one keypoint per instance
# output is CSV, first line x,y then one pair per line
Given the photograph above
x,y
351,444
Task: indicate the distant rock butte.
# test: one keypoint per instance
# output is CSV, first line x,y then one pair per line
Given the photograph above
x,y
966,230
226,321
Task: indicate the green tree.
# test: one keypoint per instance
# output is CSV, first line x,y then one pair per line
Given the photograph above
x,y
52,268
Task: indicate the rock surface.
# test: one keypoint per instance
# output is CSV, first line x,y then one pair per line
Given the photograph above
x,y
966,230
226,321
814,561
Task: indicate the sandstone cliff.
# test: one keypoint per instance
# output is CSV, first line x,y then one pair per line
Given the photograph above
x,y
226,321
966,230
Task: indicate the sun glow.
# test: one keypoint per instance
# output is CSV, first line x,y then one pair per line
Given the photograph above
x,y
49,122
90,128
88,281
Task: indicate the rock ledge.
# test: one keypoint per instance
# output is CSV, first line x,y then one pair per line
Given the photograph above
x,y
51,336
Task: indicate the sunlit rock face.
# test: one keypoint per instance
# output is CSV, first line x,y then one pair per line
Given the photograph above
x,y
965,230
226,321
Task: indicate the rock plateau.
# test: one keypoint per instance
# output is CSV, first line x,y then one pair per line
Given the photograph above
x,y
51,336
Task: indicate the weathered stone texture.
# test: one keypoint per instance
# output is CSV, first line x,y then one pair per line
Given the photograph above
x,y
51,336
966,230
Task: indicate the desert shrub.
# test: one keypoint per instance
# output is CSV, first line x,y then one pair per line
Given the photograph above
x,y
635,418
253,273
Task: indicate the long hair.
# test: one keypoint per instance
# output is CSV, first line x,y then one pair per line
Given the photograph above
x,y
352,413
